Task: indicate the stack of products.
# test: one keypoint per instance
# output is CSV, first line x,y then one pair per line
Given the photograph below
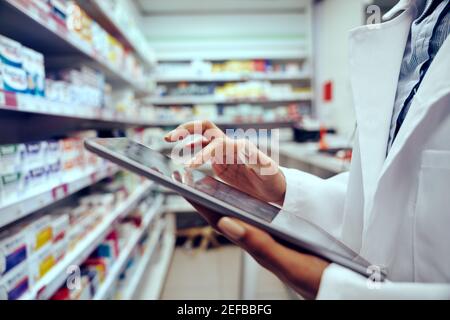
x,y
29,250
228,68
240,113
104,44
27,168
245,90
96,268
127,105
21,69
82,91
68,14
77,90
119,12
263,66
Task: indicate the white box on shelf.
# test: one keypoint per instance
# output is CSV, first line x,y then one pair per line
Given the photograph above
x,y
14,78
10,158
11,186
10,52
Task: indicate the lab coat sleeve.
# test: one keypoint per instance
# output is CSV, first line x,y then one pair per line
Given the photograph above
x,y
320,201
339,283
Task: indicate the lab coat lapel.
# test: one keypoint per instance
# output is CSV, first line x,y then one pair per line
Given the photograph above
x,y
376,56
435,85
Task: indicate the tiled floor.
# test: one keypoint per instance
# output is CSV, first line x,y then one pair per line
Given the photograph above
x,y
215,274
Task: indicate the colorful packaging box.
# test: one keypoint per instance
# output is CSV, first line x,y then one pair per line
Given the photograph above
x,y
40,263
60,222
15,283
11,186
40,233
13,249
33,64
10,52
14,79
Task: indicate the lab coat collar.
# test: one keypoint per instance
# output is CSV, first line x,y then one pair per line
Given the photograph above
x,y
400,6
434,86
376,53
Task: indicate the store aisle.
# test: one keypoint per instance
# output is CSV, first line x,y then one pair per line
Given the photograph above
x,y
214,274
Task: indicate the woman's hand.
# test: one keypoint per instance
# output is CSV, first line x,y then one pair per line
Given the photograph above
x,y
237,162
301,272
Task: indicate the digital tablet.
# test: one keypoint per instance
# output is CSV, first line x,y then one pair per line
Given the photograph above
x,y
288,228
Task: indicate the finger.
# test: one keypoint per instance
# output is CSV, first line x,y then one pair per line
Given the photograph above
x,y
193,127
261,246
303,272
199,143
206,154
255,159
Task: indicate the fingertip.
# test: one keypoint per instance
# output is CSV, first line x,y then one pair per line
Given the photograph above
x,y
168,136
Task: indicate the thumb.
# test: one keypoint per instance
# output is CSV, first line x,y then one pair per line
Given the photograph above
x,y
256,242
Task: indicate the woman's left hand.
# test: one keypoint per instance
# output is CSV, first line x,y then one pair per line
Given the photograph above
x,y
300,271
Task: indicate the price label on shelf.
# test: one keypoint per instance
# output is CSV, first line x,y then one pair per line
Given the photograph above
x,y
94,177
10,100
60,192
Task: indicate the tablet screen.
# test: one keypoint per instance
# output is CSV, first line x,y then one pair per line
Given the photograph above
x,y
194,179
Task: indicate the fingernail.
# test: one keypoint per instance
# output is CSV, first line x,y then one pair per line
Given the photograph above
x,y
231,229
168,135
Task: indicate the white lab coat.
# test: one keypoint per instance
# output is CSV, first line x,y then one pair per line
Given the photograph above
x,y
394,211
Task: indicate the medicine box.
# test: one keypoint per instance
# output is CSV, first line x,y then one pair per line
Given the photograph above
x,y
40,263
33,154
10,52
34,179
33,65
60,249
40,233
10,158
15,283
14,79
11,185
13,249
60,223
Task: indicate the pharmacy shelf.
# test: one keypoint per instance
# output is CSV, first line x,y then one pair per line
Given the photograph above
x,y
224,55
135,281
31,124
51,37
99,12
230,77
158,271
118,266
55,278
43,198
214,99
22,116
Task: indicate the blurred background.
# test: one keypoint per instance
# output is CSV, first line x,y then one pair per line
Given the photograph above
x,y
73,226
